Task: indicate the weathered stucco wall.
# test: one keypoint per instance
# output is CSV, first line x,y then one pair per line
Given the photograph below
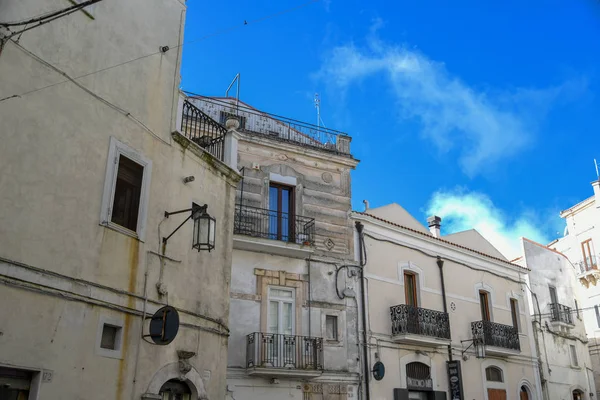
x,y
61,271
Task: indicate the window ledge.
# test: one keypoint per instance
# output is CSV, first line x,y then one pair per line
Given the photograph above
x,y
333,343
118,228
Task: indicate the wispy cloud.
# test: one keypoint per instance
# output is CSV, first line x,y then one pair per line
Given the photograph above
x,y
484,126
461,210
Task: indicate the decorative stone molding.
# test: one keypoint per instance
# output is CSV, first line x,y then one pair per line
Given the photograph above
x,y
172,371
184,364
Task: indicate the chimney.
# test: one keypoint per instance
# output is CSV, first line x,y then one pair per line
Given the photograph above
x,y
596,186
434,223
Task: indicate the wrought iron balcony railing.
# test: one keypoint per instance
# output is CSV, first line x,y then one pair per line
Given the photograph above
x,y
275,127
587,264
273,224
203,130
272,350
408,319
497,335
561,313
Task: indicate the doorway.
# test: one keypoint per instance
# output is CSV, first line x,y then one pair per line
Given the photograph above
x,y
577,395
175,390
496,394
14,384
524,393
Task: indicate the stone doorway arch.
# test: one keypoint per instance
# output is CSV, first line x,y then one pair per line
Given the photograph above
x,y
172,372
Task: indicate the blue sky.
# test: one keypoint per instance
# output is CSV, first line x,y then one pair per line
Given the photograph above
x,y
482,112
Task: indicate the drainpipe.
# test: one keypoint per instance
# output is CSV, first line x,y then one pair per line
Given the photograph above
x,y
440,264
363,262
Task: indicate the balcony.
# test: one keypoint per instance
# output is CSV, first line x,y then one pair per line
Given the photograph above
x,y
414,325
588,271
275,127
561,315
203,130
501,340
273,231
271,354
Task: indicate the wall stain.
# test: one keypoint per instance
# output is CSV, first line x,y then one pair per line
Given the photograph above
x,y
134,246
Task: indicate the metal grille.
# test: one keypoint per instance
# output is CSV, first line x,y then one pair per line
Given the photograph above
x,y
497,335
419,321
273,224
561,313
273,350
203,130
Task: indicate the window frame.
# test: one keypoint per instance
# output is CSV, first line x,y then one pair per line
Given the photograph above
x,y
515,314
116,323
291,214
494,368
486,314
291,300
335,320
116,150
573,356
590,248
415,296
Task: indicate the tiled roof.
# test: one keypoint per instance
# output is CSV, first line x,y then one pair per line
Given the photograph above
x,y
439,239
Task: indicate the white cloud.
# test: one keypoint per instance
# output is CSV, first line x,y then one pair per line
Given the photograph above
x,y
461,211
485,126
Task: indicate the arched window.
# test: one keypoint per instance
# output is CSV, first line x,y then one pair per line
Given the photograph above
x,y
418,376
175,390
493,374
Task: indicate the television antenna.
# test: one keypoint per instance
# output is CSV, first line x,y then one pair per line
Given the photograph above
x,y
596,164
318,107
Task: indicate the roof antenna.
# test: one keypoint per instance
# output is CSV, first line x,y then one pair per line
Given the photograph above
x,y
318,107
597,174
237,96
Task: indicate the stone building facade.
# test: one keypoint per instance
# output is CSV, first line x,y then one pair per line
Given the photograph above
x,y
291,334
446,315
89,168
559,331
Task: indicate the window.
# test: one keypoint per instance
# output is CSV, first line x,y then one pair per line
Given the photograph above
x,y
574,361
493,374
514,310
577,308
175,390
553,296
484,302
126,203
109,337
281,311
331,327
597,316
281,212
126,189
589,259
410,289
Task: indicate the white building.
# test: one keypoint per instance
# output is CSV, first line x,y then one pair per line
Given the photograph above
x,y
88,171
582,234
561,342
447,316
294,334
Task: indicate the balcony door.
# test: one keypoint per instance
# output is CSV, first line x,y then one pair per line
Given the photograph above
x,y
589,259
281,343
484,302
281,212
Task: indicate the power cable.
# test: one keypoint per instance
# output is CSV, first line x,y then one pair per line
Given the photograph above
x,y
201,38
50,14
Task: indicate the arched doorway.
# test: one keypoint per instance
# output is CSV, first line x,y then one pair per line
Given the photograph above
x,y
524,393
175,390
577,394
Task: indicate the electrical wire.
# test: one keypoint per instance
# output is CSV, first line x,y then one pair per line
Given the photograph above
x,y
50,14
201,38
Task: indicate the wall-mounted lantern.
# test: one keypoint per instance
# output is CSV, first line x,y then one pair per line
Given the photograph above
x,y
204,227
479,346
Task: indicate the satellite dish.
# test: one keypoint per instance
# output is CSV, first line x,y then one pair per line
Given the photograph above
x,y
164,325
378,371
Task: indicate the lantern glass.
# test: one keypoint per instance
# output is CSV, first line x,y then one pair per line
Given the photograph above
x,y
204,229
480,348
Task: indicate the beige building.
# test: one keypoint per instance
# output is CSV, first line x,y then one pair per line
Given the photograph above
x,y
581,235
446,316
559,332
294,334
89,169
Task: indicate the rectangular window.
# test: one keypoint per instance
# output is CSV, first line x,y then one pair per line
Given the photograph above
x,y
331,327
514,310
577,308
281,212
484,302
109,337
589,259
553,296
126,190
574,361
281,311
410,289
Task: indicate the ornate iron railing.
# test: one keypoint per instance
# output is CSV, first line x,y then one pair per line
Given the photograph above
x,y
274,126
588,264
203,130
419,321
272,350
497,335
273,224
561,313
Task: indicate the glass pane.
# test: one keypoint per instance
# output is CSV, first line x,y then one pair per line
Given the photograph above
x,y
331,327
273,317
109,337
287,318
126,199
273,215
273,198
281,293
